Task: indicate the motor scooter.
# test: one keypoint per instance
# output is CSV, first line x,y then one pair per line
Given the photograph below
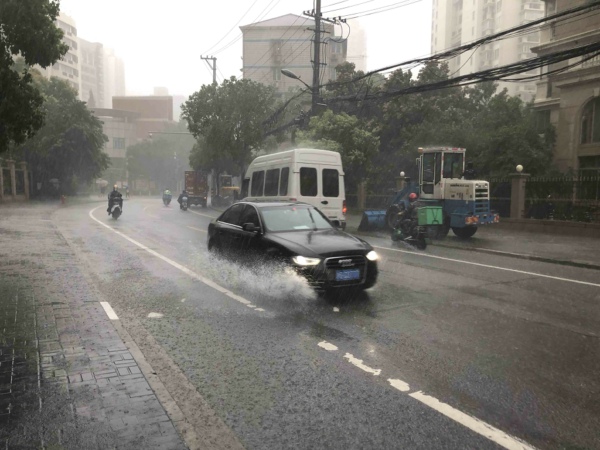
x,y
166,199
408,230
117,208
184,204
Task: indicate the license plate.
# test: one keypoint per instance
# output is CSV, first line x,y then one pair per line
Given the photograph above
x,y
347,274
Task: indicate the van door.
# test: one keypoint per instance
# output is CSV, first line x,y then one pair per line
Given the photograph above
x,y
332,192
322,186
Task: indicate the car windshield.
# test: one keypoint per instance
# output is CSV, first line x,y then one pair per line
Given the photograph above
x,y
294,218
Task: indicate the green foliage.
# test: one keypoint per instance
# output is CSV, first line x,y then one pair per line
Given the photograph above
x,y
162,159
354,139
70,145
228,121
27,29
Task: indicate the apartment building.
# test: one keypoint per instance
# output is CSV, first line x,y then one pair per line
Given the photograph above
x,y
67,68
114,77
570,99
286,42
458,22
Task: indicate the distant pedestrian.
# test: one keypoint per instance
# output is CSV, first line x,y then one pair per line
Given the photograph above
x,y
127,192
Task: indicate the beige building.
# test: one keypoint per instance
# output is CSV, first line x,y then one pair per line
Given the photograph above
x,y
67,68
114,77
458,22
286,42
570,99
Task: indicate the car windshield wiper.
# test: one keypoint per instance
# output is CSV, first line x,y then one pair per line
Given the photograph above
x,y
312,218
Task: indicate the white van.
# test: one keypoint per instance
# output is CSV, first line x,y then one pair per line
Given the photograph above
x,y
305,175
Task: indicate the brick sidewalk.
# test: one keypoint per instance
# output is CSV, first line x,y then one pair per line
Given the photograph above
x,y
66,378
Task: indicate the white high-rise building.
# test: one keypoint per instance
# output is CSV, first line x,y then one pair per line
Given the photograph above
x,y
114,77
458,22
357,45
92,72
67,68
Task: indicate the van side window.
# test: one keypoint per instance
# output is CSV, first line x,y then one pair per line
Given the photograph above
x,y
308,181
331,183
283,184
272,182
258,181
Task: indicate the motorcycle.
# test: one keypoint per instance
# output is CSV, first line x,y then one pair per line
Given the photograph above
x,y
116,209
166,199
184,204
409,231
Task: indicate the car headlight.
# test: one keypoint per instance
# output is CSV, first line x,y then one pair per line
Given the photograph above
x,y
372,256
304,261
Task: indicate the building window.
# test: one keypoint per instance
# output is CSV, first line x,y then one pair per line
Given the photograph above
x,y
118,143
590,122
550,7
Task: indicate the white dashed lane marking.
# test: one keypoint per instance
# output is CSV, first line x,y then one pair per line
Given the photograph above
x,y
478,426
112,315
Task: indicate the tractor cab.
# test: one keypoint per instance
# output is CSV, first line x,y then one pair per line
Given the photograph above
x,y
437,166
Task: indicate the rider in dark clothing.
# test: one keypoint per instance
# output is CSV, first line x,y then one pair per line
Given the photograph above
x,y
183,194
406,216
114,196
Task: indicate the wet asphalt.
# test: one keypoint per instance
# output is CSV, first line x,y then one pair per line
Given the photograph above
x,y
512,342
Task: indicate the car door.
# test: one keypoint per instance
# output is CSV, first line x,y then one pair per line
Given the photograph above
x,y
247,242
228,227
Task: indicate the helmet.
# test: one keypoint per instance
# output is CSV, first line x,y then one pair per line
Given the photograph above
x,y
412,197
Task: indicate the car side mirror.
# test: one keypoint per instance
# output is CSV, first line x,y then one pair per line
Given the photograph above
x,y
250,227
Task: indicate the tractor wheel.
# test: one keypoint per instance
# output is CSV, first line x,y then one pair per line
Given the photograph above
x,y
464,233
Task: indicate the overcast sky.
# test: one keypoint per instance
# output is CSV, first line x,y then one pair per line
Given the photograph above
x,y
160,41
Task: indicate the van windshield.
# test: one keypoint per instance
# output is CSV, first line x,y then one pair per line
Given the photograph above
x,y
294,218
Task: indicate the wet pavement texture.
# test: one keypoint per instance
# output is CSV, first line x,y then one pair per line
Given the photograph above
x,y
513,349
66,378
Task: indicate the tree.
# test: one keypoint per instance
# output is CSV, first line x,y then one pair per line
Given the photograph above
x,y
355,140
28,30
70,144
228,122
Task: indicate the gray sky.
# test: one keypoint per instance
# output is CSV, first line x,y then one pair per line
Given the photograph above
x,y
161,41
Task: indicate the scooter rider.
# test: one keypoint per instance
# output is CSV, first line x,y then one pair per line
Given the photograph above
x,y
114,195
183,194
405,217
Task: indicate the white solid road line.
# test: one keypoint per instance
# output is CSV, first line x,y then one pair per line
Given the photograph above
x,y
424,255
197,229
112,315
184,269
478,426
203,215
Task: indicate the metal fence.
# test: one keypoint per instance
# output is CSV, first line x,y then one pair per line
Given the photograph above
x,y
566,198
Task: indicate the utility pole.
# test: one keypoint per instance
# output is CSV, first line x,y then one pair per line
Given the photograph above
x,y
316,14
213,66
317,58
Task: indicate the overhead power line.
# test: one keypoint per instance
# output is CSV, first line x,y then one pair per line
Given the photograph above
x,y
471,45
587,52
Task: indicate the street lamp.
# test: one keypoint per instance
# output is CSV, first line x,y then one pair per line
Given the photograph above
x,y
290,74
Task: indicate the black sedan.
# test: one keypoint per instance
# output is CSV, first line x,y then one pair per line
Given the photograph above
x,y
299,235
